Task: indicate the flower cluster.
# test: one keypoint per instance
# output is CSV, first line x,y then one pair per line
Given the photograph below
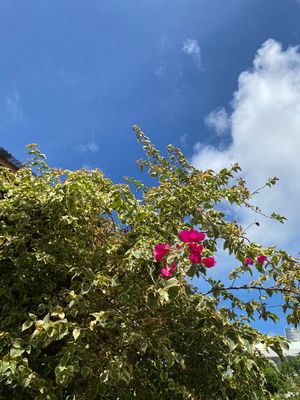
x,y
193,238
260,259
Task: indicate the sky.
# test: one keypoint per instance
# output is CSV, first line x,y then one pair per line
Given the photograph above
x,y
218,78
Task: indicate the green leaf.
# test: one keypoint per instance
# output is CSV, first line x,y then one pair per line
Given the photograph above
x,y
26,325
63,373
152,301
171,282
76,333
173,292
85,288
85,371
14,352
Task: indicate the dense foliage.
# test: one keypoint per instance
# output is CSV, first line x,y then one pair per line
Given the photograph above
x,y
87,311
284,381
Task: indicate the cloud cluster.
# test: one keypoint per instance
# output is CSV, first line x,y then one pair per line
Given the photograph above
x,y
183,139
191,47
90,147
218,120
265,130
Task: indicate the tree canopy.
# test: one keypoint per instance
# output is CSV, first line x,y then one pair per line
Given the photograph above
x,y
97,299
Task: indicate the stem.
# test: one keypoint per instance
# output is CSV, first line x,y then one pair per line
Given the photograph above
x,y
275,289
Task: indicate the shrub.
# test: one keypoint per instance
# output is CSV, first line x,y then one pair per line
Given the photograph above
x,y
86,309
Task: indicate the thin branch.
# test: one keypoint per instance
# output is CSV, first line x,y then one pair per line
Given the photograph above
x,y
245,238
206,280
259,189
274,289
247,227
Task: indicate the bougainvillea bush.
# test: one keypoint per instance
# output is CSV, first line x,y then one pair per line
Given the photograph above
x,y
96,292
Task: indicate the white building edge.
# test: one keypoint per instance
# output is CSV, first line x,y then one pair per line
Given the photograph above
x,y
293,335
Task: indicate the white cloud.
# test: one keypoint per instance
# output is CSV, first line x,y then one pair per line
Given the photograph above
x,y
218,120
183,139
191,47
265,129
90,147
13,106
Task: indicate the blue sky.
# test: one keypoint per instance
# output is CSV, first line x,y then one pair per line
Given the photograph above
x,y
219,78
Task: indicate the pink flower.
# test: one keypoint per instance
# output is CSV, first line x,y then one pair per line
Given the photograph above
x,y
160,250
195,248
173,267
261,259
165,272
195,258
209,262
191,236
195,253
249,261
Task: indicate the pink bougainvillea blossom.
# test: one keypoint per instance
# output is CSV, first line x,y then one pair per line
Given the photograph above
x,y
261,259
195,248
191,235
249,261
195,258
184,236
165,272
209,262
173,267
160,250
195,253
